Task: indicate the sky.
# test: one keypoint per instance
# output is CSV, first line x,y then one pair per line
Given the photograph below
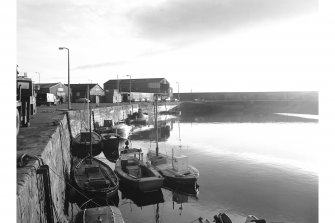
x,y
204,45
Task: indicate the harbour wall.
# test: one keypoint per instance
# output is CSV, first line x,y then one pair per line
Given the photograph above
x,y
54,152
48,142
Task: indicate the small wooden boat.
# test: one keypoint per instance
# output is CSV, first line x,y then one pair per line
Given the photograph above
x,y
137,118
174,174
105,214
94,179
81,144
137,174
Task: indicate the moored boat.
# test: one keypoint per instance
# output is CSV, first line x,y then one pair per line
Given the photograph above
x,y
94,179
133,172
176,171
137,118
105,214
81,144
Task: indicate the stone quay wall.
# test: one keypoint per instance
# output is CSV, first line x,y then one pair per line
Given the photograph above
x,y
30,188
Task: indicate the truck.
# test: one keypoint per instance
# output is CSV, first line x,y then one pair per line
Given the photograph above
x,y
25,101
46,99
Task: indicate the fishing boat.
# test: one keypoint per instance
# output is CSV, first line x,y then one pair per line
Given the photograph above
x,y
122,129
105,214
81,144
137,118
134,172
87,141
175,169
94,179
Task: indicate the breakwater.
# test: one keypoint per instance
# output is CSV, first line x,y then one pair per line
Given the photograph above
x,y
47,142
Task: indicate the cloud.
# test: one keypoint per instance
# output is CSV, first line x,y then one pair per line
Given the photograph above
x,y
91,66
175,20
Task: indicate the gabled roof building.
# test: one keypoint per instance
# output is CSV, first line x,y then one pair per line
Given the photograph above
x,y
137,87
80,91
58,89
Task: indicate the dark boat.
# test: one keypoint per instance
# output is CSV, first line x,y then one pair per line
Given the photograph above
x,y
81,144
105,214
94,179
134,172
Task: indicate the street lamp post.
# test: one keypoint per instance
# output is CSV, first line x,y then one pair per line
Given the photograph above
x,y
178,91
39,80
129,87
68,75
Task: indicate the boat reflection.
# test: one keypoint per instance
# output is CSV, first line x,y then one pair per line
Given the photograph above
x,y
181,189
139,198
147,133
112,147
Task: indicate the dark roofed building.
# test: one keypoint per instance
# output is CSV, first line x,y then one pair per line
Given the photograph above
x,y
80,91
145,85
58,89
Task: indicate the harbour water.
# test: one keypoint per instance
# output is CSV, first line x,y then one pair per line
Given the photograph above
x,y
263,166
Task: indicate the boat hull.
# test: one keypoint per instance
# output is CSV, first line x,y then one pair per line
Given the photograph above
x,y
171,177
99,184
81,148
143,184
107,214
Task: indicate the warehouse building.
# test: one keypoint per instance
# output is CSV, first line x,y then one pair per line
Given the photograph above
x,y
137,89
79,91
58,89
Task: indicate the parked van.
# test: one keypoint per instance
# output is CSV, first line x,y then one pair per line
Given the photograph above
x,y
46,99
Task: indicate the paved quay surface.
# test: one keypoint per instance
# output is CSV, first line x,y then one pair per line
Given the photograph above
x,y
33,139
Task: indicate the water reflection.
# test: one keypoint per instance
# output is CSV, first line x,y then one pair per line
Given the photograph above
x,y
147,133
243,117
249,163
140,198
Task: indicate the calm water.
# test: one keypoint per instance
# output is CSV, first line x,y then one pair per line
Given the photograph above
x,y
267,169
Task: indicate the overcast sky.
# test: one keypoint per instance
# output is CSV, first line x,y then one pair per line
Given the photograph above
x,y
205,45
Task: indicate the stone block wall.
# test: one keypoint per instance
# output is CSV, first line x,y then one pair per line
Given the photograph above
x,y
30,188
79,119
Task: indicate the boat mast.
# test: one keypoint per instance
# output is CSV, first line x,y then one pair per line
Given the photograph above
x,y
117,100
156,127
88,103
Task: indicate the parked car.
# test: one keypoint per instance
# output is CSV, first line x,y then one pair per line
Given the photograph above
x,y
82,100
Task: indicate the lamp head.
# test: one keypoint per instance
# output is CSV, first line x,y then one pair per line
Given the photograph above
x,y
61,48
